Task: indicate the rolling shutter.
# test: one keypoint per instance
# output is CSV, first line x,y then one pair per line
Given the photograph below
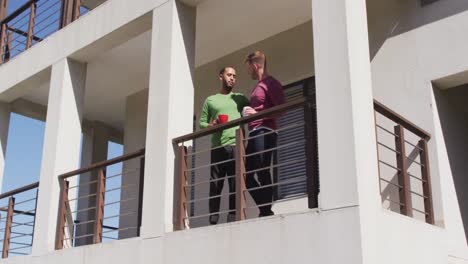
x,y
293,140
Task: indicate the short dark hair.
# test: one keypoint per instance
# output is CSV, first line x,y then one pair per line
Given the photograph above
x,y
221,72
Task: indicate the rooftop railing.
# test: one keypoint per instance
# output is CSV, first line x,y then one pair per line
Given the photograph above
x,y
33,22
17,220
102,202
192,179
404,171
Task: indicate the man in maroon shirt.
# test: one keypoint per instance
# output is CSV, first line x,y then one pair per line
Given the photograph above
x,y
262,136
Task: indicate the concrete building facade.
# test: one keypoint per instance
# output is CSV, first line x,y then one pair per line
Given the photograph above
x,y
137,73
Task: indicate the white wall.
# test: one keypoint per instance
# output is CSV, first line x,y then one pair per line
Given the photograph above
x,y
402,71
388,18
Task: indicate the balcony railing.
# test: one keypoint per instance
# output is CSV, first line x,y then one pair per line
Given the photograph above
x,y
33,22
17,220
192,180
403,165
97,205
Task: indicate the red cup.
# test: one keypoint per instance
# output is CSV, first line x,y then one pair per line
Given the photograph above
x,y
223,118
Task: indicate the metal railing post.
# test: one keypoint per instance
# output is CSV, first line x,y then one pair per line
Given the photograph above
x,y
3,27
311,156
100,194
3,9
8,225
62,216
76,9
32,16
8,46
403,179
3,36
66,13
140,193
35,214
427,186
240,175
180,188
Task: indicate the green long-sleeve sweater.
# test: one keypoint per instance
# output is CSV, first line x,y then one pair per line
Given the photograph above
x,y
229,104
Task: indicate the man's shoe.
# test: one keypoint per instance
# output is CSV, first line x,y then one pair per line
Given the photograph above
x,y
231,218
214,219
268,213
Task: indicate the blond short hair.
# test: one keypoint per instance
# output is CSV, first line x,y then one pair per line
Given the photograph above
x,y
256,57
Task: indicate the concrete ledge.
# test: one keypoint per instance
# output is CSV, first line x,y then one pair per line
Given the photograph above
x,y
328,237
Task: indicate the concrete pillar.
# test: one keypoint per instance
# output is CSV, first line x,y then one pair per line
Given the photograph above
x,y
170,111
4,126
346,132
61,151
94,149
134,139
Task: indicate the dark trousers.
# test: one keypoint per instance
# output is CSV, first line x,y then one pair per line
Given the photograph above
x,y
263,197
218,173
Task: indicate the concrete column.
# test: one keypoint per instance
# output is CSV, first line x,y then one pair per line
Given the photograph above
x,y
4,126
346,132
170,110
134,139
95,146
61,151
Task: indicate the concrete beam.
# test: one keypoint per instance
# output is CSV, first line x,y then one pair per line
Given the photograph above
x,y
30,109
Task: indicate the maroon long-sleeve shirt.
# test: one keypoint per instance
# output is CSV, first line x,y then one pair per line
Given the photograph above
x,y
268,93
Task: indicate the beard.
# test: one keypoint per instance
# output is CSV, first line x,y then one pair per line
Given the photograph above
x,y
227,86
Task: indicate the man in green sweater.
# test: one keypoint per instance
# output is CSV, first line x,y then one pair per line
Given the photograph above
x,y
225,102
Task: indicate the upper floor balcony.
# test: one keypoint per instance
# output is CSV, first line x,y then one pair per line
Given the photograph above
x,y
103,202
347,171
35,20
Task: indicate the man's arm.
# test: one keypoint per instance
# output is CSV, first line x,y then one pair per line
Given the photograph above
x,y
205,115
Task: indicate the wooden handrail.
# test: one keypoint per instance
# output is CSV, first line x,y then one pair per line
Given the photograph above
x,y
243,120
397,118
19,190
105,163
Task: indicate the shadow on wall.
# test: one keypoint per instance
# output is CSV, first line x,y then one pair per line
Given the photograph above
x,y
389,18
453,113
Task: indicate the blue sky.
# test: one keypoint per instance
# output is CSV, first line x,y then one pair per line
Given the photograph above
x,y
24,152
14,4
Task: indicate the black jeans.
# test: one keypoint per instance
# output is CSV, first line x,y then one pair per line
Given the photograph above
x,y
218,173
263,197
